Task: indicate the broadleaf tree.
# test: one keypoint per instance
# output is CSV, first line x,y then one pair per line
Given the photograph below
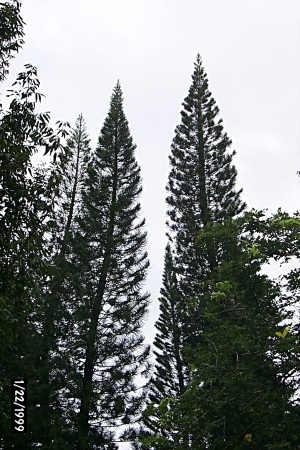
x,y
27,199
245,371
11,34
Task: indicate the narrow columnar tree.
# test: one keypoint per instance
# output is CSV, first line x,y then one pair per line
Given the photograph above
x,y
71,171
75,170
169,378
201,185
201,191
201,188
108,306
168,339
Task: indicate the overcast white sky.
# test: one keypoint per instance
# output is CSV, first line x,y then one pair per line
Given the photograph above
x,y
250,51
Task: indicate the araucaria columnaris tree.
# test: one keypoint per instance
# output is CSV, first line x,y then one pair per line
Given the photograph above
x,y
108,305
201,184
70,170
170,382
170,373
78,157
201,191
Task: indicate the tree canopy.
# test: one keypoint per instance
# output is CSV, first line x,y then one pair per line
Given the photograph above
x,y
74,261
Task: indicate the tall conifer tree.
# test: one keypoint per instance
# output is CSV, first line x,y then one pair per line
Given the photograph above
x,y
201,191
71,170
170,373
75,169
108,306
168,340
201,185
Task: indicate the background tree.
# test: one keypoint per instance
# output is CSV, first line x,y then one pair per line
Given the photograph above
x,y
169,337
75,167
170,379
108,267
71,171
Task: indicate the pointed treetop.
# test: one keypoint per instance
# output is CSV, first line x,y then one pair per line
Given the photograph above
x,y
117,92
116,99
198,59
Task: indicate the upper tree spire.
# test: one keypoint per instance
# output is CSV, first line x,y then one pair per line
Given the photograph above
x,y
202,171
201,184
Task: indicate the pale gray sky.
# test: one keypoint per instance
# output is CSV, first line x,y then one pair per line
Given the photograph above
x,y
250,51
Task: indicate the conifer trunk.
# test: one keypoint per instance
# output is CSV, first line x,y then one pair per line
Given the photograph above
x,y
201,192
90,356
201,166
53,305
74,191
105,289
203,200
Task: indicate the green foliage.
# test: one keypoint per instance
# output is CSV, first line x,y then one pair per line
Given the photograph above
x,y
11,33
27,195
201,195
243,370
27,199
106,268
73,265
283,333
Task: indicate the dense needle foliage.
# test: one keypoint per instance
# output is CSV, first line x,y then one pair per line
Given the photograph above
x,y
215,346
109,263
201,191
73,268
